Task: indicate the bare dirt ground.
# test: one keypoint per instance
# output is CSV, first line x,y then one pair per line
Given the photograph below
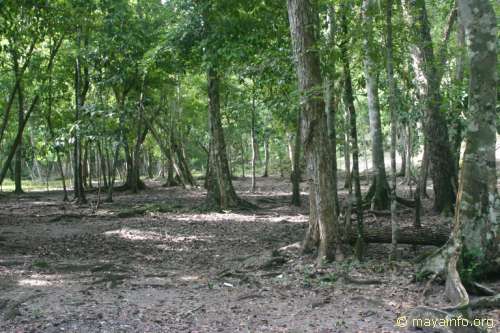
x,y
154,262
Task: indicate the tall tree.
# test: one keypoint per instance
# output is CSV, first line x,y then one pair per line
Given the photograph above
x,y
323,225
392,109
379,191
348,98
435,128
474,245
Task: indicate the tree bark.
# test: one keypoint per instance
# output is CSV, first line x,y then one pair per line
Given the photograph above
x,y
295,152
317,146
19,151
349,102
392,109
475,239
253,143
266,155
380,187
435,235
435,128
222,193
331,101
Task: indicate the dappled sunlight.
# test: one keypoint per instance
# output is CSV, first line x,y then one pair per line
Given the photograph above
x,y
136,234
189,278
239,217
38,280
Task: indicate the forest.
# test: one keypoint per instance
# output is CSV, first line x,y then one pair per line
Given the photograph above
x,y
249,166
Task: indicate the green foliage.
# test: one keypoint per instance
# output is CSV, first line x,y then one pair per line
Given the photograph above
x,y
473,266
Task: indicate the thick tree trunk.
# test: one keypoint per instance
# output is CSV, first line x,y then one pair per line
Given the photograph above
x,y
331,102
435,235
221,191
435,128
380,187
349,102
317,146
475,239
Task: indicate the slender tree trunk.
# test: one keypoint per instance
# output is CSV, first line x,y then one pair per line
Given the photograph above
x,y
380,187
242,160
79,192
349,102
402,150
392,107
475,239
347,151
295,153
19,151
253,143
102,164
409,150
317,146
435,128
266,156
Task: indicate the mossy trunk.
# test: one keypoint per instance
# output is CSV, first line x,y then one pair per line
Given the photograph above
x,y
474,247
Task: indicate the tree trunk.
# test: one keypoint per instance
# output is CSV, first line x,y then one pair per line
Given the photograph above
x,y
79,192
102,165
402,150
409,151
19,151
317,146
347,151
435,127
475,239
266,156
222,193
392,108
436,235
349,102
295,153
253,143
331,102
380,188
242,160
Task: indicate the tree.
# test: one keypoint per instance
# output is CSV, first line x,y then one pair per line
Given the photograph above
x,y
435,128
353,133
323,229
379,191
473,250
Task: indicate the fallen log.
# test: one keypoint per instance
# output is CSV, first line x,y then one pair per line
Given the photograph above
x,y
436,235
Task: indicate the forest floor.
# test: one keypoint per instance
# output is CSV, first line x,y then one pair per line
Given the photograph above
x,y
156,262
